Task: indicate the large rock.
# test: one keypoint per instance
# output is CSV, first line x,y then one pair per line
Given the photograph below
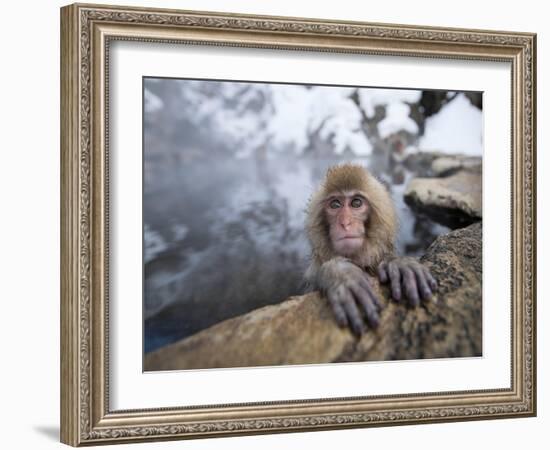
x,y
449,164
420,163
439,164
302,330
454,201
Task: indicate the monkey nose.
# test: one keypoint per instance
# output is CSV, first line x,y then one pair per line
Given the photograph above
x,y
345,224
345,221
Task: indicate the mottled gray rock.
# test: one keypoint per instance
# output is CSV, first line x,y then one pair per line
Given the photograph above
x,y
302,330
449,164
438,164
421,163
454,201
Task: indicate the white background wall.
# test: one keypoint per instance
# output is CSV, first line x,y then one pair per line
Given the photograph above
x,y
29,225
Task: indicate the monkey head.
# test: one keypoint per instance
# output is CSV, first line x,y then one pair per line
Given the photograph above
x,y
351,215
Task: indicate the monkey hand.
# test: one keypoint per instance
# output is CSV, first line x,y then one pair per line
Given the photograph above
x,y
350,294
409,276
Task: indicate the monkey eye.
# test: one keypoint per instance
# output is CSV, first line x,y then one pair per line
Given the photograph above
x,y
335,204
357,202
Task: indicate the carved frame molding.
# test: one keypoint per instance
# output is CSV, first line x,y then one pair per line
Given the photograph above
x,y
86,31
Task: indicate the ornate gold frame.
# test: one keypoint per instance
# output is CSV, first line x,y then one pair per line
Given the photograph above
x,y
86,31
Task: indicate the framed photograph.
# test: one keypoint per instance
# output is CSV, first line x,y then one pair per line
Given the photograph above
x,y
279,224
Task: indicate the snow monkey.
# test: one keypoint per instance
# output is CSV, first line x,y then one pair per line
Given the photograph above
x,y
351,225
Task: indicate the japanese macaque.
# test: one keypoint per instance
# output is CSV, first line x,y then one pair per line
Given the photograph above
x,y
352,225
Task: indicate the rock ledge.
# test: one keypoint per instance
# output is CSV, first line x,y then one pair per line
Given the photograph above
x,y
301,330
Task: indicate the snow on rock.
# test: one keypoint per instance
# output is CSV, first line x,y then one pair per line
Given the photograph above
x,y
457,128
298,111
397,119
245,118
371,97
249,116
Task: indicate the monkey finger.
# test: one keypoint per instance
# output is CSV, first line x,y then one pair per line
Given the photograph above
x,y
395,278
366,286
364,299
411,288
354,316
382,272
422,283
338,311
431,280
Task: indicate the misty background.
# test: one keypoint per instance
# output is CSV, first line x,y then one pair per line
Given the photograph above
x,y
229,168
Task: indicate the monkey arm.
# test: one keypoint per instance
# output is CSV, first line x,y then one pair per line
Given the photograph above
x,y
349,292
408,275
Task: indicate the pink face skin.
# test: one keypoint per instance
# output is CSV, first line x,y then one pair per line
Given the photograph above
x,y
346,214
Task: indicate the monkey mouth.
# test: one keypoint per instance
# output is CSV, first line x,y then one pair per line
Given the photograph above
x,y
343,238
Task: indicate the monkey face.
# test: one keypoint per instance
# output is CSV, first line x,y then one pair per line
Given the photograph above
x,y
346,215
351,215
